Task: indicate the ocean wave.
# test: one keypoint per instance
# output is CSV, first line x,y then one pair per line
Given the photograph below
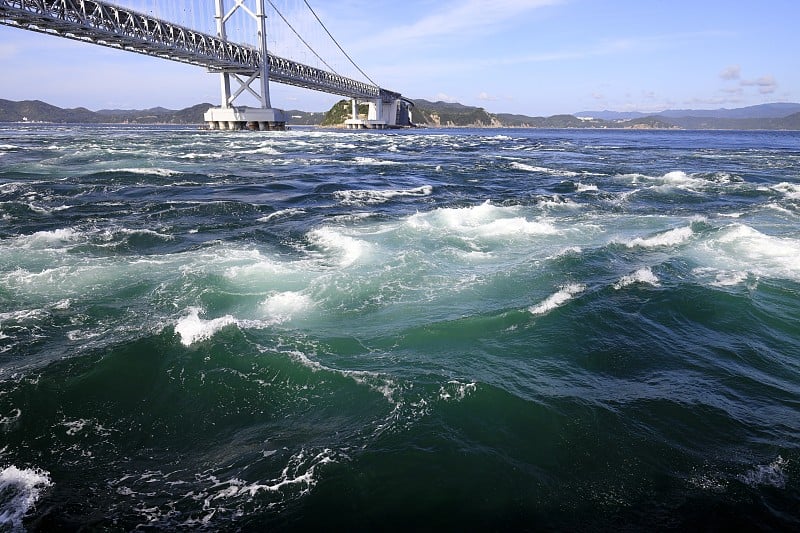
x,y
265,150
161,172
581,187
484,220
347,249
192,328
283,306
371,161
773,474
11,418
366,196
678,179
643,275
290,212
741,248
20,489
789,190
455,391
671,237
542,170
556,300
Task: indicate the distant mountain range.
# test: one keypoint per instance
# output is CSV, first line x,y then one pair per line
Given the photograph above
x,y
776,110
777,116
769,116
37,111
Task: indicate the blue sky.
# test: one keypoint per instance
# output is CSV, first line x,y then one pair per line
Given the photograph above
x,y
535,57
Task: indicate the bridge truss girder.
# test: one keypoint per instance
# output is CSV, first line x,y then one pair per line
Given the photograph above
x,y
117,27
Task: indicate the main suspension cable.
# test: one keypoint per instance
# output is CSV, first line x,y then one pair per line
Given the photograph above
x,y
337,43
299,37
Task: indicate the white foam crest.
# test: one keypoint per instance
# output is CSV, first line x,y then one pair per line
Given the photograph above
x,y
162,172
352,217
367,196
12,417
790,190
481,225
542,170
11,187
250,263
20,489
125,231
773,474
744,249
559,202
192,328
516,226
643,275
728,279
75,426
371,161
300,472
455,391
266,150
678,177
37,209
348,249
292,211
672,237
283,306
567,293
581,187
47,239
779,208
23,314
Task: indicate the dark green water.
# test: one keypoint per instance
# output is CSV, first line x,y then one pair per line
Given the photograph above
x,y
427,330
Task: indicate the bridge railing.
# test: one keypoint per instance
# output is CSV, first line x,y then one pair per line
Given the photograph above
x,y
117,27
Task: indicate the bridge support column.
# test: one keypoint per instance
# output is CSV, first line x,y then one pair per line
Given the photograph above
x,y
228,116
245,118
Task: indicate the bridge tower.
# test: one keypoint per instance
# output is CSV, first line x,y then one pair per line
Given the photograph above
x,y
231,117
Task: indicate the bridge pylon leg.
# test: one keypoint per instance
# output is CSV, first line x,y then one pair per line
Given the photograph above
x,y
228,116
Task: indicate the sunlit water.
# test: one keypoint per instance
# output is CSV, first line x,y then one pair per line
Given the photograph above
x,y
427,329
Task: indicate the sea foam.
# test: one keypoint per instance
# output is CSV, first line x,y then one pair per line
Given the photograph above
x,y
283,306
346,248
672,237
367,196
567,293
542,170
192,328
19,488
643,275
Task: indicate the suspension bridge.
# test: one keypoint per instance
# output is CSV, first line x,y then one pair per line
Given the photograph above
x,y
252,67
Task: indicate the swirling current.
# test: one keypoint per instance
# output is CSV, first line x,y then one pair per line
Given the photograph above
x,y
411,330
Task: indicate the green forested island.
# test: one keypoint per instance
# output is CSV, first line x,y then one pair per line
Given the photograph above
x,y
782,116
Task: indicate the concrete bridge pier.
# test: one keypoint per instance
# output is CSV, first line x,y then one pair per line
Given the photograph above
x,y
381,115
245,118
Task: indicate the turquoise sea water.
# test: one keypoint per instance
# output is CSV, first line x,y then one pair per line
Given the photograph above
x,y
429,329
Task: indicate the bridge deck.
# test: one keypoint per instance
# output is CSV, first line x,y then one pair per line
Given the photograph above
x,y
117,27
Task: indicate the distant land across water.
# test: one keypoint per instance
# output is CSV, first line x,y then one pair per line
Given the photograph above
x,y
774,116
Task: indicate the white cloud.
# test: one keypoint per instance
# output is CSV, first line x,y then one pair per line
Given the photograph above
x,y
443,97
732,72
487,97
460,18
765,84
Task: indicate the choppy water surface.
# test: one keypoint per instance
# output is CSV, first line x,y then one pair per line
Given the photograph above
x,y
427,329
